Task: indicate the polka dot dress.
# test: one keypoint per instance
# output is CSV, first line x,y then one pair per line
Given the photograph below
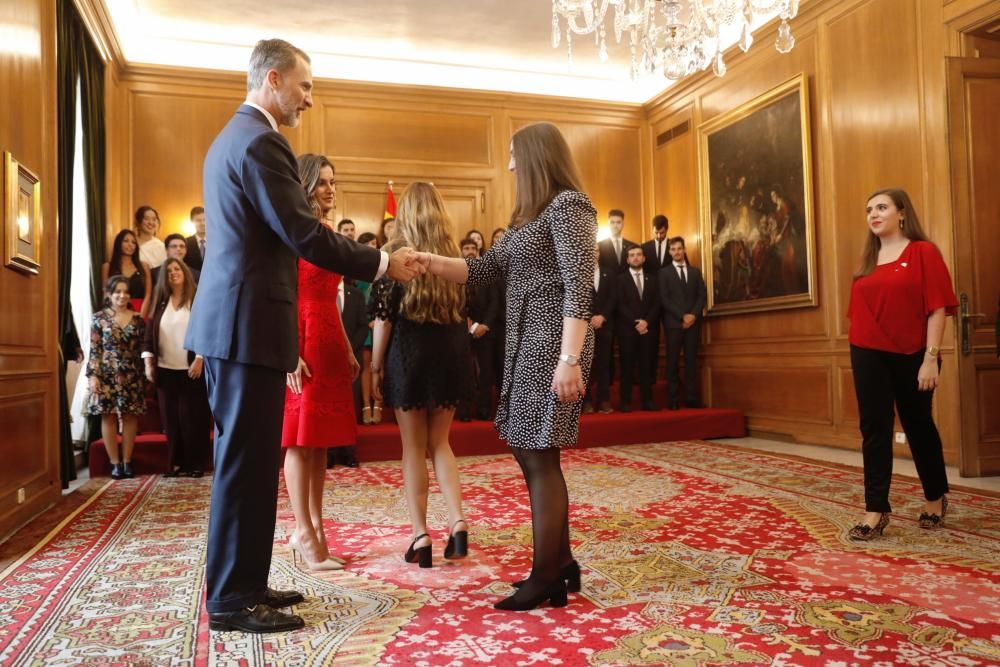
x,y
548,266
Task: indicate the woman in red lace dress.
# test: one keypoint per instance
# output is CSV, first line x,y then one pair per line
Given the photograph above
x,y
319,402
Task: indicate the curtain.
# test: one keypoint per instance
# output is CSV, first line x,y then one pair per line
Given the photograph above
x,y
77,60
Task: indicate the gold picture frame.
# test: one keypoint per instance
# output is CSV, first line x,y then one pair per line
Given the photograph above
x,y
22,210
757,218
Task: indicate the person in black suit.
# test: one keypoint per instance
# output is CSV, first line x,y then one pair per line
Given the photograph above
x,y
637,305
683,293
244,323
483,315
354,314
196,246
602,322
614,249
657,255
176,247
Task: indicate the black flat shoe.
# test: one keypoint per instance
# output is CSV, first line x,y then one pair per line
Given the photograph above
x,y
458,543
276,599
196,474
116,471
570,574
423,553
127,471
555,594
931,521
258,619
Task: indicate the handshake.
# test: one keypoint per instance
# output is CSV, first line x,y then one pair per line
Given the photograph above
x,y
405,264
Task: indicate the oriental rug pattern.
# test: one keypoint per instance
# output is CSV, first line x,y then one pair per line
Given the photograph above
x,y
693,554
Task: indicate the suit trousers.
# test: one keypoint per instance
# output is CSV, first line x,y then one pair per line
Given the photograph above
x,y
248,404
636,353
186,418
882,379
687,340
484,351
600,375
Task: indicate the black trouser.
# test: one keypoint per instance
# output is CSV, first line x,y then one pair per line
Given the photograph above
x,y
600,375
687,340
186,418
636,350
484,350
248,404
882,379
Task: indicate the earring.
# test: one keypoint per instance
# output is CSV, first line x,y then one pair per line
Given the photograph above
x,y
901,221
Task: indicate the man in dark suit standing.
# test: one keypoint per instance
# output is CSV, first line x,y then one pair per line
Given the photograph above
x,y
683,294
176,249
613,255
244,324
196,245
484,305
657,255
637,304
351,303
602,321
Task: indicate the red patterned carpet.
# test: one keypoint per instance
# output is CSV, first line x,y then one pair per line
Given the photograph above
x,y
693,554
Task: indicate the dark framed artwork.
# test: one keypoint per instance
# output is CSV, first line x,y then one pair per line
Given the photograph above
x,y
22,216
757,223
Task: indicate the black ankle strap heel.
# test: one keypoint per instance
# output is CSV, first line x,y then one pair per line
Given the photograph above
x,y
423,554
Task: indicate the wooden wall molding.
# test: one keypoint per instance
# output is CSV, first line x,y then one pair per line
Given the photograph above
x,y
97,21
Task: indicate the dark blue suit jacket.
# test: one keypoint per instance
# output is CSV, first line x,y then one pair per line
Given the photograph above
x,y
260,222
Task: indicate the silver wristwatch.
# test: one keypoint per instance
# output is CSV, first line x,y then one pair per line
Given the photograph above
x,y
569,359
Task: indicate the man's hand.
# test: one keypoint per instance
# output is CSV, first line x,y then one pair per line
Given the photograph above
x,y
642,326
688,320
194,370
597,321
150,370
404,265
481,331
294,380
352,363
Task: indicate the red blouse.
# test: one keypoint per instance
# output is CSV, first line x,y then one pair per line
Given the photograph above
x,y
889,307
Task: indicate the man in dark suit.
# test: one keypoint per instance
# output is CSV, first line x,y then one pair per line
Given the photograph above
x,y
484,305
637,304
613,255
683,294
196,245
351,303
602,321
657,256
177,249
244,323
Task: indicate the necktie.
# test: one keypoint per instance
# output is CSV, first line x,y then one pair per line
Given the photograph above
x,y
659,253
201,246
618,250
638,282
684,275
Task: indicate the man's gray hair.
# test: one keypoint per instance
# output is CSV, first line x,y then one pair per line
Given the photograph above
x,y
268,54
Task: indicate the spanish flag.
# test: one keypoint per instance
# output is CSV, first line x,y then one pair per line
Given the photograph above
x,y
390,203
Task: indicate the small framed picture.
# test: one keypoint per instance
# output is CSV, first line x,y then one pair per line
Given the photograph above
x,y
22,216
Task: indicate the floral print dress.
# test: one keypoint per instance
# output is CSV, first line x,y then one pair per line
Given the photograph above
x,y
115,360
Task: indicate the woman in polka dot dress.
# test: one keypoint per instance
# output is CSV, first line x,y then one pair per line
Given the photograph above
x,y
547,262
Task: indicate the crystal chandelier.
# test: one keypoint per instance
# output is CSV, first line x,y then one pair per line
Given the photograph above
x,y
684,39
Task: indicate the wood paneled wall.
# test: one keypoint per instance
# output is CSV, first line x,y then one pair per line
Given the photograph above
x,y
373,133
29,399
879,118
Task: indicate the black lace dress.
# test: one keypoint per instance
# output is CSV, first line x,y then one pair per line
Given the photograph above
x,y
427,365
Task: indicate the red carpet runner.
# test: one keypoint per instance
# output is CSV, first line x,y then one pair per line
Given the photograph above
x,y
692,553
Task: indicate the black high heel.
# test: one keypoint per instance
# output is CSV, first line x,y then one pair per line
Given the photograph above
x,y
458,543
555,594
423,553
928,521
570,574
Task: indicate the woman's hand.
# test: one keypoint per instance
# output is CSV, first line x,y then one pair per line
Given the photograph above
x,y
95,384
567,382
194,370
927,376
294,380
352,363
377,376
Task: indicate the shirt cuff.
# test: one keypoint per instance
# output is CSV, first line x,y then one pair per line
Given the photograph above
x,y
383,266
147,355
474,327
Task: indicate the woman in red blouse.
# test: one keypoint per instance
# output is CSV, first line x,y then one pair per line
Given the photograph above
x,y
899,301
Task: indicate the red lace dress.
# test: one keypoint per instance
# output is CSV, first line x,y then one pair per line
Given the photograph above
x,y
323,414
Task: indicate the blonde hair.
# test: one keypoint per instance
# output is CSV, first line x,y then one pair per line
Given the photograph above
x,y
422,223
544,167
910,228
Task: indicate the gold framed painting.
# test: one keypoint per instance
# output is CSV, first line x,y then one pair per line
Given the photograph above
x,y
757,221
22,211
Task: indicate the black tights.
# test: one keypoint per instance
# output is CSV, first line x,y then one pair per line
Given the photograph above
x,y
549,516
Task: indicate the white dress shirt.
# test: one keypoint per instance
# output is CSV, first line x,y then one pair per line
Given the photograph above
x,y
383,265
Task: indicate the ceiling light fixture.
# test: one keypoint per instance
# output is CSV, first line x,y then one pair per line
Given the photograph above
x,y
687,39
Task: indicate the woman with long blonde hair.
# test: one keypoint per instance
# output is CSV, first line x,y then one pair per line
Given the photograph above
x,y
422,367
546,259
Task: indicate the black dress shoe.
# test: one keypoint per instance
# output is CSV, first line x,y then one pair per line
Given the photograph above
x,y
673,406
257,619
649,407
116,471
626,408
348,457
278,599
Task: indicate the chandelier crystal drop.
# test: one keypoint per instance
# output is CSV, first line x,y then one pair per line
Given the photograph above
x,y
678,37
